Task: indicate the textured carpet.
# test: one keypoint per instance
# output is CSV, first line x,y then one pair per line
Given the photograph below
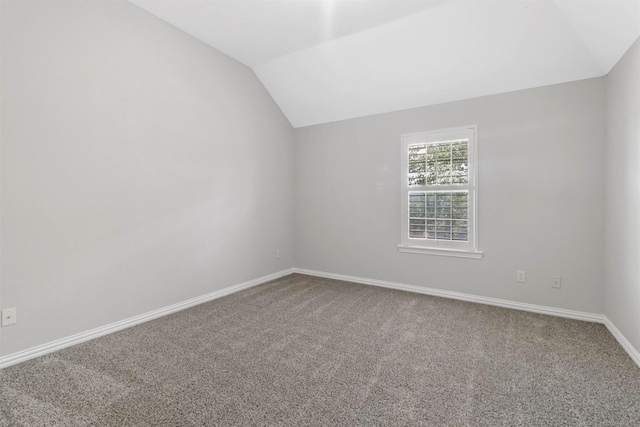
x,y
308,351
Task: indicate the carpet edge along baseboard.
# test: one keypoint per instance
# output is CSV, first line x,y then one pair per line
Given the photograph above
x,y
633,353
59,344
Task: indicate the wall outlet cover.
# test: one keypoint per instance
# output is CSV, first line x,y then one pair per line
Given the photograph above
x,y
8,316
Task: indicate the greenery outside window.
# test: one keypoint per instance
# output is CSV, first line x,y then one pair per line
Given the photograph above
x,y
439,192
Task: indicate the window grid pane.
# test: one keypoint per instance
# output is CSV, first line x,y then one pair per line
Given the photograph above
x,y
441,163
442,215
417,164
417,219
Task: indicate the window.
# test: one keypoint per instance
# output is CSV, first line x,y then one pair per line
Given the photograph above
x,y
439,192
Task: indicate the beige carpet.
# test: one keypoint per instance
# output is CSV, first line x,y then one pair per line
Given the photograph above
x,y
310,351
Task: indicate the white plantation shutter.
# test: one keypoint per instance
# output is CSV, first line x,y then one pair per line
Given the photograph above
x,y
440,215
439,190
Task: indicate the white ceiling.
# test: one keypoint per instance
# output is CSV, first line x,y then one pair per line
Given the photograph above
x,y
328,60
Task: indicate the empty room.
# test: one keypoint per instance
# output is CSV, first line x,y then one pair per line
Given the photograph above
x,y
319,212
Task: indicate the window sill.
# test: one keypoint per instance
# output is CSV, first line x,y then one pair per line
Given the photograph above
x,y
441,252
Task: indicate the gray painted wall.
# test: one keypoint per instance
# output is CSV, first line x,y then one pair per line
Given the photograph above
x,y
140,168
541,190
622,230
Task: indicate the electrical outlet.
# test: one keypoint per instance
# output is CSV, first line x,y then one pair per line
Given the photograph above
x,y
521,276
277,253
8,316
556,281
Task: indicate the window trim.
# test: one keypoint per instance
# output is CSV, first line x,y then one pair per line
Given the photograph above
x,y
468,249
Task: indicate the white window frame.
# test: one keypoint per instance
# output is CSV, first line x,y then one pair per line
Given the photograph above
x,y
461,249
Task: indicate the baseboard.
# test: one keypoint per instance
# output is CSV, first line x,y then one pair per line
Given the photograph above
x,y
552,311
50,347
560,312
631,351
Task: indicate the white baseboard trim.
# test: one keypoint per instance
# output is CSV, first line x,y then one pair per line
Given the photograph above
x,y
631,351
552,311
50,347
560,312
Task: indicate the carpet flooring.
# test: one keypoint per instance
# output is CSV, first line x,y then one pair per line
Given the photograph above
x,y
303,350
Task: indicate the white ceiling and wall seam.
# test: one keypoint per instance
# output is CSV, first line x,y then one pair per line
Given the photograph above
x,y
325,61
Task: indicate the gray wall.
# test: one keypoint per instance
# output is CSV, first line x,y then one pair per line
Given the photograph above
x,y
541,189
622,229
140,168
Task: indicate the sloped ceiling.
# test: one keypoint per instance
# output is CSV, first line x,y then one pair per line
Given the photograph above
x,y
331,60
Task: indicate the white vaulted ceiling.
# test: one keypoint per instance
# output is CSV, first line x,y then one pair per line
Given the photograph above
x,y
328,60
